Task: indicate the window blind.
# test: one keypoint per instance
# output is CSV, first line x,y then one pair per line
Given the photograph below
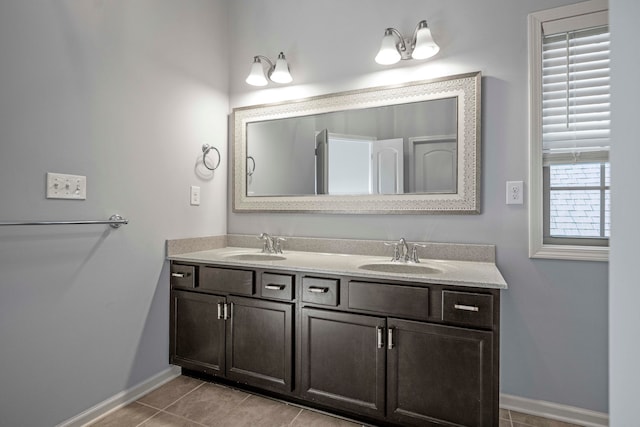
x,y
575,94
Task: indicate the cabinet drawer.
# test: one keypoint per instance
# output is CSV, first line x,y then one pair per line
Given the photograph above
x,y
239,282
320,291
467,309
279,286
183,276
391,300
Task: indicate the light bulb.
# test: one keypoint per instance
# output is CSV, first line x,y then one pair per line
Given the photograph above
x,y
388,53
281,72
256,76
425,46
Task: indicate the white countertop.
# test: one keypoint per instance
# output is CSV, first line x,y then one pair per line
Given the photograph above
x,y
449,272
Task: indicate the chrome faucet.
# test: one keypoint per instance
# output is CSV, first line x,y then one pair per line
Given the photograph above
x,y
267,243
401,252
270,244
404,250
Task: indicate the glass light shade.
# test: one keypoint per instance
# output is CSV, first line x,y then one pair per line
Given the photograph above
x,y
388,53
281,72
425,47
256,76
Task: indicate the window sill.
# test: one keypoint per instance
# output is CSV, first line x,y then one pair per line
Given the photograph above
x,y
569,252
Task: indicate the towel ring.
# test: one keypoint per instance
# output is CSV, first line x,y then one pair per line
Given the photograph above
x,y
205,150
253,169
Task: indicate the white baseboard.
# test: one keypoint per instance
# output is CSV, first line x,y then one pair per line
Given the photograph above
x,y
123,398
554,411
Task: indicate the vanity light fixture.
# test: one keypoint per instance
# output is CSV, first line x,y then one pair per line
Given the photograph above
x,y
395,47
278,72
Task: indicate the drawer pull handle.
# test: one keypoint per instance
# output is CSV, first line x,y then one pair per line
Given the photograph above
x,y
318,290
219,311
380,337
225,311
179,275
466,307
273,287
390,339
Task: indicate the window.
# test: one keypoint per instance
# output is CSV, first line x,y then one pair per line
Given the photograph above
x,y
576,206
570,137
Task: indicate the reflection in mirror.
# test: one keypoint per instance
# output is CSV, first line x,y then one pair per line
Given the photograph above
x,y
401,149
383,150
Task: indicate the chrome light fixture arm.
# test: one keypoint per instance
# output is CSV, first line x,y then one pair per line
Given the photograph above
x,y
407,45
420,46
260,58
277,72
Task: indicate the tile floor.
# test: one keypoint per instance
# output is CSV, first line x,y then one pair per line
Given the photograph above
x,y
190,402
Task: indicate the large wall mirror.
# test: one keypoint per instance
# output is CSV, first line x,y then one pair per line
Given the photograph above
x,y
413,148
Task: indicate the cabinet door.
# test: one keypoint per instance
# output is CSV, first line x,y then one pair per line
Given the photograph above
x,y
260,343
343,360
439,373
197,335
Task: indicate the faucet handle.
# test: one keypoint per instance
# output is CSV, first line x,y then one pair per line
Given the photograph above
x,y
414,252
396,250
277,246
267,242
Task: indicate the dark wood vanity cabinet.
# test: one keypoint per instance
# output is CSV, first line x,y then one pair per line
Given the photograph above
x,y
197,335
259,343
428,374
247,340
343,361
393,353
439,375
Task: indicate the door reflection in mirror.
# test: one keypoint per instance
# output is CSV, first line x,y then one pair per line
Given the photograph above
x,y
433,164
396,149
354,164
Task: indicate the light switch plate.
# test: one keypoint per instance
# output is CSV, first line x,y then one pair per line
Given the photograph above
x,y
195,195
515,194
65,186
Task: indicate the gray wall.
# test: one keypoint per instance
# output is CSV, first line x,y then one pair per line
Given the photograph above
x,y
624,294
555,313
125,93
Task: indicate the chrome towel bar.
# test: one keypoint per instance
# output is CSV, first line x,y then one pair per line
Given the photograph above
x,y
114,221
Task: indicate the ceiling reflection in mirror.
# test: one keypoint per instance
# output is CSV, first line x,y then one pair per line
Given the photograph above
x,y
413,148
395,149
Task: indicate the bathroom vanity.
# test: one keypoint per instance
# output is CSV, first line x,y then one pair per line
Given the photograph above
x,y
388,343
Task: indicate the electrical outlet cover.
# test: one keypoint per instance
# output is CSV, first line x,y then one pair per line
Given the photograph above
x,y
515,191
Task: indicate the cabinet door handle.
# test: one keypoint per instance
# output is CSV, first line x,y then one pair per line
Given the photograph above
x,y
219,310
318,289
225,309
380,337
180,275
390,339
273,287
465,307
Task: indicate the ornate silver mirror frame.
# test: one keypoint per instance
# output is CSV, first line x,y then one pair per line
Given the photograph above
x,y
465,87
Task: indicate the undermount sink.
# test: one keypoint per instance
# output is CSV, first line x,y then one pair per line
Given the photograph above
x,y
400,268
257,257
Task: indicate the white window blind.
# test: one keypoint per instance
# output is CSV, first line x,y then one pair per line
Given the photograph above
x,y
575,91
